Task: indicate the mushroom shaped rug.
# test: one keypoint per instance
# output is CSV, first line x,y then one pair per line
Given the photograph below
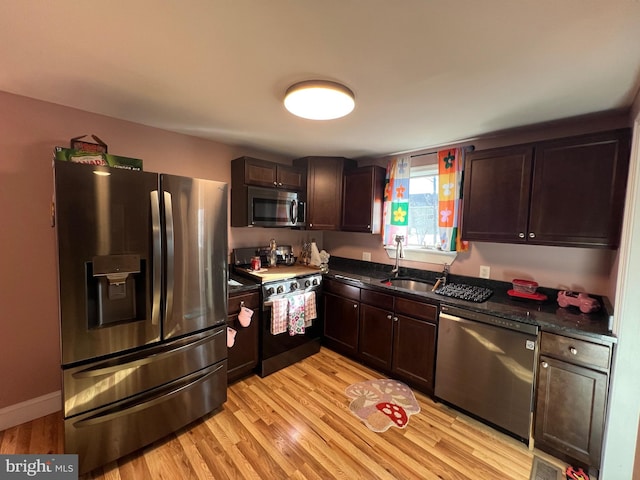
x,y
382,403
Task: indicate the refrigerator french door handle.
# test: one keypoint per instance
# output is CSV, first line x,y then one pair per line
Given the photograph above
x,y
168,217
148,401
156,235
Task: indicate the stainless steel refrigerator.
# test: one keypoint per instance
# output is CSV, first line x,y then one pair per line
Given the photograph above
x,y
143,303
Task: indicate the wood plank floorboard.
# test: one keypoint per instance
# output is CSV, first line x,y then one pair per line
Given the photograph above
x,y
296,424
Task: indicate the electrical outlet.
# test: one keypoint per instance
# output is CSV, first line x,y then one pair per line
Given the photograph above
x,y
485,271
366,256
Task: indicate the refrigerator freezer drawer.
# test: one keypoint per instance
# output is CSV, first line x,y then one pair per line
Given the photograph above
x,y
106,381
109,433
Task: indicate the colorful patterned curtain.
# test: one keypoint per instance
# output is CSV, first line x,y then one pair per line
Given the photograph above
x,y
396,200
450,168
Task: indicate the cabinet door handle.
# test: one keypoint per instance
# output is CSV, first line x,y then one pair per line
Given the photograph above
x,y
573,350
532,235
355,305
279,184
395,319
389,317
545,365
275,184
521,235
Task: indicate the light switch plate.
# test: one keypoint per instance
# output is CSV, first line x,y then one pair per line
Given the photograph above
x,y
366,256
485,271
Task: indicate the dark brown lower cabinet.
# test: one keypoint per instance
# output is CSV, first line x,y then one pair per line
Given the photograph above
x,y
571,399
376,336
243,356
414,344
414,352
393,334
341,323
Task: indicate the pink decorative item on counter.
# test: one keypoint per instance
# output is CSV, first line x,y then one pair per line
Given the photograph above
x,y
584,302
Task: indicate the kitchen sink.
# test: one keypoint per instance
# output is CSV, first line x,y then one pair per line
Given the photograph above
x,y
414,284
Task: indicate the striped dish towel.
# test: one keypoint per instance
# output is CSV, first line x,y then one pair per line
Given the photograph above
x,y
279,308
310,313
296,315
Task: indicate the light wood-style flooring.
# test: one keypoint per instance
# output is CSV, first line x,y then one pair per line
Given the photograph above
x,y
296,424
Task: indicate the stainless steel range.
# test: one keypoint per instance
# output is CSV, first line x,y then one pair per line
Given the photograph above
x,y
285,288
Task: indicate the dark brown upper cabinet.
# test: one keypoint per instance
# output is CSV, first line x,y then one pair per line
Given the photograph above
x,y
324,190
261,173
362,197
565,192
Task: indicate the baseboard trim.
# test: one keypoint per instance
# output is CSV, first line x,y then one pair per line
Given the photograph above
x,y
30,409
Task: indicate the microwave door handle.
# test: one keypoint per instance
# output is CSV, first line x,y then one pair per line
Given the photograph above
x,y
293,212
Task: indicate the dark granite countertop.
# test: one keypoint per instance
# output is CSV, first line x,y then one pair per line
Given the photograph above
x,y
245,284
547,314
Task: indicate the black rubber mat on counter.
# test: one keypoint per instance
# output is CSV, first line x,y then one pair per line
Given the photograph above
x,y
462,291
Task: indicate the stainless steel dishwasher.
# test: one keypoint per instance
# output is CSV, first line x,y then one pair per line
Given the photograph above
x,y
485,366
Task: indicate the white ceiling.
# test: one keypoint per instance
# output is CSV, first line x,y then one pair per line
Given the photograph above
x,y
425,72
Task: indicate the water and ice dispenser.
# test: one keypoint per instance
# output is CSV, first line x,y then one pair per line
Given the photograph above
x,y
115,289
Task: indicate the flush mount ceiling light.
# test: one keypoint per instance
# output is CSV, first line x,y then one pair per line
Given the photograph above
x,y
319,100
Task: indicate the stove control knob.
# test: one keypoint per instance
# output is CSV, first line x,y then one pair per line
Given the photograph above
x,y
294,286
270,291
315,281
307,283
280,289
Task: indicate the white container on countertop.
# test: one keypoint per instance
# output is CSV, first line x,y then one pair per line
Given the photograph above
x,y
315,254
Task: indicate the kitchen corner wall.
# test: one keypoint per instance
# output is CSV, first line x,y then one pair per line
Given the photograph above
x,y
29,130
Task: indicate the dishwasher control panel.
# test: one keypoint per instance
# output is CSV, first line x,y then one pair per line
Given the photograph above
x,y
524,327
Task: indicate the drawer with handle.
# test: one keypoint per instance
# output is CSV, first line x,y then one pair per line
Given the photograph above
x,y
575,351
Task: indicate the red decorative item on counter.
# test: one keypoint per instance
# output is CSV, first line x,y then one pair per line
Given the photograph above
x,y
540,297
524,286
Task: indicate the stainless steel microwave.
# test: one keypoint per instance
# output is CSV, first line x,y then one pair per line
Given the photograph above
x,y
270,207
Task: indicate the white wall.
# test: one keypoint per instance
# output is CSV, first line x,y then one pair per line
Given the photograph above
x,y
624,402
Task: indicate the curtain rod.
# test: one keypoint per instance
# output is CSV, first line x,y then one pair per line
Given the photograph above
x,y
467,149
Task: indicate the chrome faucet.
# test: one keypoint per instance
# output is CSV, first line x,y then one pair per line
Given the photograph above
x,y
399,253
442,281
445,274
